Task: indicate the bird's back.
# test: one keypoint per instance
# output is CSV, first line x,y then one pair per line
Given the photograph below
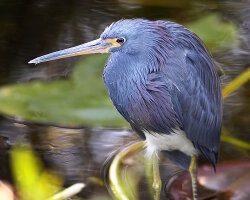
x,y
198,98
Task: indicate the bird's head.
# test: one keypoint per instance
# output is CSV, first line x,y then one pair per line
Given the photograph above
x,y
130,36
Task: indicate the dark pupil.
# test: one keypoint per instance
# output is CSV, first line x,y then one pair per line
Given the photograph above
x,y
120,40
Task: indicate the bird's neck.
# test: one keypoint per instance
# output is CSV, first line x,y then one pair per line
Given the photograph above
x,y
125,78
122,67
125,69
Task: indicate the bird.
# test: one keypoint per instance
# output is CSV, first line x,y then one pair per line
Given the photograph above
x,y
162,79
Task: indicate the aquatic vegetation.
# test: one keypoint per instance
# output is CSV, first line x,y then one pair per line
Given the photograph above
x,y
81,100
124,190
33,182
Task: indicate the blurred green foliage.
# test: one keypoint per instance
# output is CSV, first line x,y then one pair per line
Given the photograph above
x,y
236,83
82,100
32,182
215,32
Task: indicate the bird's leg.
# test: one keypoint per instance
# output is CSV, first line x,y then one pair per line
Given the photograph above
x,y
193,174
156,178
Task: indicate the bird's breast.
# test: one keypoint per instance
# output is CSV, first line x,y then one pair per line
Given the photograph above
x,y
123,90
123,81
143,101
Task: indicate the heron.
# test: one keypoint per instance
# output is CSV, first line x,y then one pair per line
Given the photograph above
x,y
162,79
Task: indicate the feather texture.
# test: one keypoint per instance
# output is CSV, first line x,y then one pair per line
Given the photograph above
x,y
168,82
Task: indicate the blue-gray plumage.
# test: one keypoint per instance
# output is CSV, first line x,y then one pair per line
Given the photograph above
x,y
163,81
162,78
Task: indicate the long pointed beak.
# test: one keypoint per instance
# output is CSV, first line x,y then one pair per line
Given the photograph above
x,y
95,46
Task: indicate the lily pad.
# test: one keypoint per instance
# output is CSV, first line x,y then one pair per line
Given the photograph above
x,y
80,101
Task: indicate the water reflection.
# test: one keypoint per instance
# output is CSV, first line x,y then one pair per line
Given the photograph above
x,y
79,155
76,154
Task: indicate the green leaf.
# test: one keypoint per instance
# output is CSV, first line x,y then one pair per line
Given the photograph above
x,y
33,183
215,32
236,83
81,100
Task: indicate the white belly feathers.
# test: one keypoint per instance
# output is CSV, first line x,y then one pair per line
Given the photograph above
x,y
177,140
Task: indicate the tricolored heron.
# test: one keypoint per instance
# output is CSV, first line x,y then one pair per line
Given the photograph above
x,y
163,81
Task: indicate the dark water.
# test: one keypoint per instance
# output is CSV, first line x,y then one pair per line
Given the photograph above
x,y
32,28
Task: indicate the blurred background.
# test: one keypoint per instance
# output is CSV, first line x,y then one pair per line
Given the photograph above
x,y
62,112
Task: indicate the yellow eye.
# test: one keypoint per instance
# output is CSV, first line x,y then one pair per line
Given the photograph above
x,y
120,40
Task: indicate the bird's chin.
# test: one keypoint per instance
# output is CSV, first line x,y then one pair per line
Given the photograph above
x,y
114,49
